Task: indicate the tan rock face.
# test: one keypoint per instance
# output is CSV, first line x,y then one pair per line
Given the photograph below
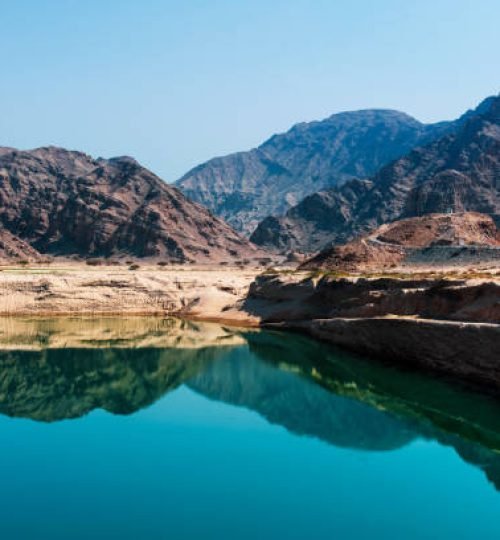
x,y
150,290
465,228
66,203
288,297
394,243
451,327
461,350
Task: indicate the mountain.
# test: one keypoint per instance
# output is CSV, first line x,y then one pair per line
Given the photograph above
x,y
64,202
245,187
459,171
408,239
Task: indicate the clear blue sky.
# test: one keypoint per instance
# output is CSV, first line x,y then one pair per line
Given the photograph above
x,y
174,83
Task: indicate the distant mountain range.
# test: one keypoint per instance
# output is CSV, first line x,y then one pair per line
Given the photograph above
x,y
246,187
458,171
383,166
61,202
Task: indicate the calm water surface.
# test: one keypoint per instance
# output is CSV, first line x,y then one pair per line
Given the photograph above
x,y
140,428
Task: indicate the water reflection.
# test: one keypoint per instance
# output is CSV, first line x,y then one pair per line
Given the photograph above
x,y
54,369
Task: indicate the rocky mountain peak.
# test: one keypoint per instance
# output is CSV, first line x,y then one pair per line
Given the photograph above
x,y
459,171
63,202
245,187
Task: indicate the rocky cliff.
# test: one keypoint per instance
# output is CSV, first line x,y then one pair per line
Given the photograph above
x,y
458,171
245,187
449,326
66,203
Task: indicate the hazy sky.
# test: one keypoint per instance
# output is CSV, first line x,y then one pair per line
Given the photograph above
x,y
174,83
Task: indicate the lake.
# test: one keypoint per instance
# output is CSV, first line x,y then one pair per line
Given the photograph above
x,y
160,428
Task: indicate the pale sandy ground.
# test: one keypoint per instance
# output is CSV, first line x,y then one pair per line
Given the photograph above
x,y
204,292
198,293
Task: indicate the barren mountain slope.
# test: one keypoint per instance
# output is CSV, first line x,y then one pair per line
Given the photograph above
x,y
459,171
245,187
391,243
64,202
13,248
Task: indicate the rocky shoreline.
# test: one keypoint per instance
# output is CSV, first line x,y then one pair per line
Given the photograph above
x,y
463,350
442,324
447,326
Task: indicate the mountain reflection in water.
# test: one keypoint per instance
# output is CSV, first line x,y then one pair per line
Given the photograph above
x,y
58,369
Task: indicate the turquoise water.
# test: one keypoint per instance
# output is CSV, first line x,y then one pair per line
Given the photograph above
x,y
176,430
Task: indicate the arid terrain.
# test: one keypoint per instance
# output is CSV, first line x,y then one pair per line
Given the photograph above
x,y
148,289
399,258
444,320
57,202
461,240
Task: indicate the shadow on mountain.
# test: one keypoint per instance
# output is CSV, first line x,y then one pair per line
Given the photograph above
x,y
308,387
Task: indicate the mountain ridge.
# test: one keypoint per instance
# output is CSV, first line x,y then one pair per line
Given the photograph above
x,y
64,202
400,241
245,187
458,171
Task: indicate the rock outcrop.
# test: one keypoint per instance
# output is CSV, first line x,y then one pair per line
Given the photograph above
x,y
63,202
297,297
409,239
449,326
13,248
245,187
459,171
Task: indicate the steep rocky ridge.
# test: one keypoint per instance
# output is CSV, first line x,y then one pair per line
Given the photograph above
x,y
66,203
458,171
245,187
